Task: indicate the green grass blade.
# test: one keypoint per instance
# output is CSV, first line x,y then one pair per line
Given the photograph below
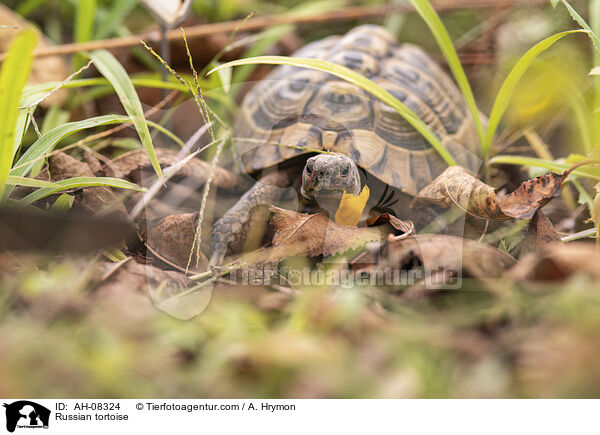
x,y
13,76
28,6
579,20
356,79
167,133
47,142
433,21
581,116
84,20
110,68
29,182
510,83
79,182
113,19
23,121
34,92
541,163
85,15
55,117
210,88
63,203
594,13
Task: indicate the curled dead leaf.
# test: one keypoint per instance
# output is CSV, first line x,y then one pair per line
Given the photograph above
x,y
314,234
455,186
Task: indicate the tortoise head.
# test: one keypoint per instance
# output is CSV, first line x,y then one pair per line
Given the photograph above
x,y
327,176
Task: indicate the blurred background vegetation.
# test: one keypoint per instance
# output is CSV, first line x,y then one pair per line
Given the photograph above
x,y
67,332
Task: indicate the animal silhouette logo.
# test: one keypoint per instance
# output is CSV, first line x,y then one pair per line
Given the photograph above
x,y
26,414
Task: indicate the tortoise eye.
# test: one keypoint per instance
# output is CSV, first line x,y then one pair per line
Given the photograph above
x,y
298,85
345,170
309,167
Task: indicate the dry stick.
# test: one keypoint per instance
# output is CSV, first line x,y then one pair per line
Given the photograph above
x,y
485,230
113,268
33,122
193,139
60,85
581,235
160,182
203,30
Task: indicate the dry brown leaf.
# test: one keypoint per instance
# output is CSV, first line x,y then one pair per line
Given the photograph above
x,y
314,234
172,240
132,276
560,262
455,186
44,69
90,199
129,165
532,195
540,236
93,162
435,252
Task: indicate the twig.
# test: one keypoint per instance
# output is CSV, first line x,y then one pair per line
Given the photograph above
x,y
580,235
204,30
113,268
168,173
60,85
33,122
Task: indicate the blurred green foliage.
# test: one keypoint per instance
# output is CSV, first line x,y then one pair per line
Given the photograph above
x,y
60,338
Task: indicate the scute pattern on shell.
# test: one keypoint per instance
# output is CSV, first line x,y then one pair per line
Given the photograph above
x,y
295,110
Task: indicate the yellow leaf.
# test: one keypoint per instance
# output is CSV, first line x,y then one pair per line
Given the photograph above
x,y
351,207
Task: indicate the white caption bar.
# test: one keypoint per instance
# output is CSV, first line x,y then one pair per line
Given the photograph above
x,y
307,417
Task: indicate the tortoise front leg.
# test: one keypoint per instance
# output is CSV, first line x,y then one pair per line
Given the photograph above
x,y
230,228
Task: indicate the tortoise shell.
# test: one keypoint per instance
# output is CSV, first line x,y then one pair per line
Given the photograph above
x,y
296,110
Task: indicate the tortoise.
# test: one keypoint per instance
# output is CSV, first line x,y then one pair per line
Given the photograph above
x,y
322,135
